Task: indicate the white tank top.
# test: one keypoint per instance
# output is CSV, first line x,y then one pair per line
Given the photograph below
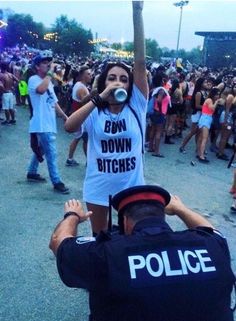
x,y
76,87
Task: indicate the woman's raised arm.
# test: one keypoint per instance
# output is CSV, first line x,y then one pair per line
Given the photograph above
x,y
140,75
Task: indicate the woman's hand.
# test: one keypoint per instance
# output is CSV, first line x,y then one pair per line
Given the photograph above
x,y
109,89
139,73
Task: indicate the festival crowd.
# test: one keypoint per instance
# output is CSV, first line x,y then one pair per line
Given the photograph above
x,y
185,102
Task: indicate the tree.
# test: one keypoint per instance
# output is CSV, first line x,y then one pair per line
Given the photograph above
x,y
22,29
152,49
129,46
194,56
116,45
72,37
167,53
62,24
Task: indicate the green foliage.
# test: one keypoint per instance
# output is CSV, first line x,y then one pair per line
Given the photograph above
x,y
193,56
128,46
72,37
116,46
22,29
152,49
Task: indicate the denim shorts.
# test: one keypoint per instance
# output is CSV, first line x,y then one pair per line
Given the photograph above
x,y
157,118
7,101
205,121
195,117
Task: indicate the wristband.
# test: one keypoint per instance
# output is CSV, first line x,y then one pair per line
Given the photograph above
x,y
72,213
49,74
97,101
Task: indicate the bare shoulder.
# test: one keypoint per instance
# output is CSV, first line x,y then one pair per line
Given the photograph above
x,y
82,92
230,98
198,94
208,101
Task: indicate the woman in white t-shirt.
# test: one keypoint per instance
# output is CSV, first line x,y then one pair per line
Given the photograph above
x,y
115,130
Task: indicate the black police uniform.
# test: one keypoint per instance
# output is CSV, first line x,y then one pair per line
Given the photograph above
x,y
154,274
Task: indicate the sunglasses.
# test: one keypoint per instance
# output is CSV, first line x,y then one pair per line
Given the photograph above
x,y
119,64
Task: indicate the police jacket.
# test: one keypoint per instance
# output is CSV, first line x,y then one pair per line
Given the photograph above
x,y
154,274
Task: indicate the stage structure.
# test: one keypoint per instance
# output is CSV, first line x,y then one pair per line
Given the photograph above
x,y
219,49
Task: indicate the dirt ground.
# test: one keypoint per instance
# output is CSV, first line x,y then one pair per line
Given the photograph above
x,y
30,288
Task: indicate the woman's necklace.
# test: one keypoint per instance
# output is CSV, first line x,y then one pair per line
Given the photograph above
x,y
115,117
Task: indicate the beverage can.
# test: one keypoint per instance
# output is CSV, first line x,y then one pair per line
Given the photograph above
x,y
120,95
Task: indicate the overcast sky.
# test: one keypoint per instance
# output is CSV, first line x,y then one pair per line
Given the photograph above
x,y
113,19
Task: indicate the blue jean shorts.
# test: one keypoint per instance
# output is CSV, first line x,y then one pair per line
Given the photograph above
x,y
195,117
205,121
157,118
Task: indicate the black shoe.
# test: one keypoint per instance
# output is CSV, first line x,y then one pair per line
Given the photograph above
x,y
233,208
5,122
168,141
222,156
61,188
12,122
182,150
35,178
71,162
158,155
203,160
229,146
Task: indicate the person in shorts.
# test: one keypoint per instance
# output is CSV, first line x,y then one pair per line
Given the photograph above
x,y
8,100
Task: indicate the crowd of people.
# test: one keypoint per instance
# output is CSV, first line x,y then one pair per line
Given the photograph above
x,y
116,129
184,103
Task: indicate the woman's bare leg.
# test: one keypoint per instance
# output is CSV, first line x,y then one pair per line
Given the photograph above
x,y
192,132
202,145
99,218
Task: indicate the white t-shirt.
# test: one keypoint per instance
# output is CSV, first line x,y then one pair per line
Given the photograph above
x,y
76,87
44,115
114,153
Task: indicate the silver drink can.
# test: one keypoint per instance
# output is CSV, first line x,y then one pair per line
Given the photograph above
x,y
120,95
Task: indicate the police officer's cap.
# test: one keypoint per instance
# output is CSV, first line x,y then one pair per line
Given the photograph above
x,y
138,194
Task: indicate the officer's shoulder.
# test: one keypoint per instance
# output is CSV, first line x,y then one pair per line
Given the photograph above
x,y
84,239
105,236
208,231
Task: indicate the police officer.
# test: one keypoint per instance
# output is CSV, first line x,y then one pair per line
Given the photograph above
x,y
147,271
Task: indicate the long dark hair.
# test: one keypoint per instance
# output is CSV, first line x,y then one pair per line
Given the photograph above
x,y
213,92
102,77
157,80
197,88
175,85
